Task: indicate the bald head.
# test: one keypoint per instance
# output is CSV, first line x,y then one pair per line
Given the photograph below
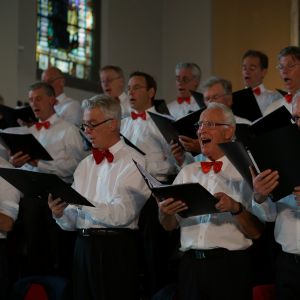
x,y
55,78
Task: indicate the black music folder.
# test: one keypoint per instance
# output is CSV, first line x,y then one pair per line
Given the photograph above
x,y
161,106
276,150
199,200
26,143
198,98
10,115
244,105
171,129
35,184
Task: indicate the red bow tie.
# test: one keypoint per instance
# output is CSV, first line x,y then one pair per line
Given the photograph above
x,y
180,100
256,91
288,98
99,155
39,125
207,165
141,115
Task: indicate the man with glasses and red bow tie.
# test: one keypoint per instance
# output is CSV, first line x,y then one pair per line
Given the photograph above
x,y
254,69
106,259
216,261
188,77
62,140
289,71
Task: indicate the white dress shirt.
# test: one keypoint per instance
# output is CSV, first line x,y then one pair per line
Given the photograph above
x,y
9,197
117,190
180,110
280,102
219,229
286,215
125,105
146,136
68,109
62,141
266,98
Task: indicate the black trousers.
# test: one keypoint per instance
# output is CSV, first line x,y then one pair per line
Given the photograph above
x,y
288,276
4,270
106,267
225,276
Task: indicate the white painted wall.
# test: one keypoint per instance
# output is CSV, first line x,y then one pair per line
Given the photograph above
x,y
145,35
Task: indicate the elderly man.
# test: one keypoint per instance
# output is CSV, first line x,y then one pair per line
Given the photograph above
x,y
286,214
65,107
289,71
106,258
188,77
216,263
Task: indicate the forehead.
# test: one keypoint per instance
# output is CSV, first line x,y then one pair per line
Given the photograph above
x,y
93,114
288,58
137,80
184,72
108,72
37,92
251,60
213,114
214,89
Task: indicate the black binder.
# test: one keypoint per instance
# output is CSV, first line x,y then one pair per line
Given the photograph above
x,y
26,143
35,184
197,198
10,115
244,105
171,129
276,150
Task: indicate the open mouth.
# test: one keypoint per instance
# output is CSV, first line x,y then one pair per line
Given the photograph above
x,y
286,79
205,141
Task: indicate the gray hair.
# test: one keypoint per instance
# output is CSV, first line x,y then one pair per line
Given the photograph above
x,y
293,51
213,80
187,65
227,112
49,90
108,105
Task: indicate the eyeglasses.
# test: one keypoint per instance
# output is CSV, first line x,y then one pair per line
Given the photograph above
x,y
214,98
109,80
208,124
296,119
183,79
281,67
135,88
84,126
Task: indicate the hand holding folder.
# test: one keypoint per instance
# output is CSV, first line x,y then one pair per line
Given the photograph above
x,y
35,184
26,143
198,200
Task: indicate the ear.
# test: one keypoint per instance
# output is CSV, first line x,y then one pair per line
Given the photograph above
x,y
151,93
113,124
229,133
264,72
53,101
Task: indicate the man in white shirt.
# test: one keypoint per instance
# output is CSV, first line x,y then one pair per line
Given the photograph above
x,y
45,241
289,71
142,131
188,77
9,207
105,261
254,69
65,107
113,84
286,214
216,262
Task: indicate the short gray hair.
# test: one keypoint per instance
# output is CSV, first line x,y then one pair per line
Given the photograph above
x,y
227,112
188,65
108,105
213,80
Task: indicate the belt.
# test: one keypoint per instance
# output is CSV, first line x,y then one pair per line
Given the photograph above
x,y
204,254
294,257
103,231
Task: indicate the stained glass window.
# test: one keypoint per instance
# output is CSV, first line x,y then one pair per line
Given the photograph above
x,y
66,36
